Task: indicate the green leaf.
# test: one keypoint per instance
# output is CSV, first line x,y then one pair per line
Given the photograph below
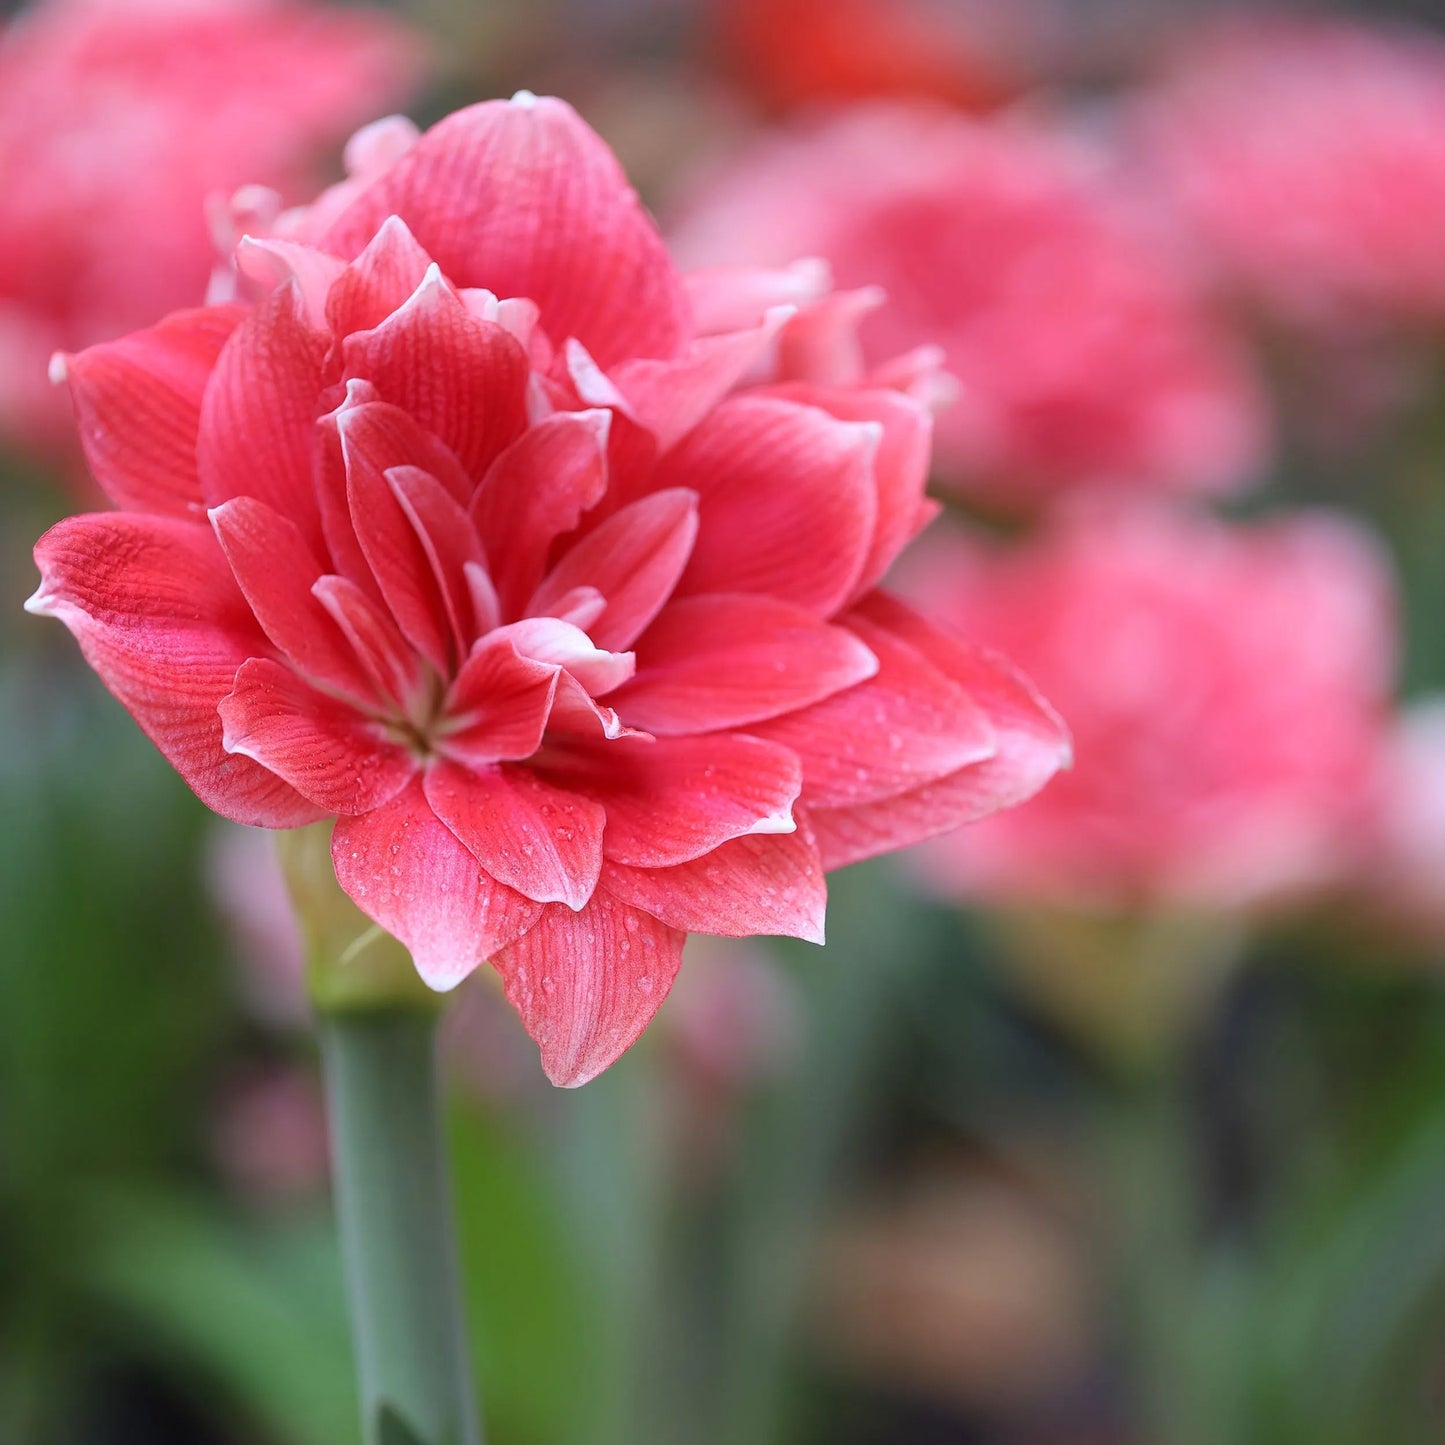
x,y
391,1429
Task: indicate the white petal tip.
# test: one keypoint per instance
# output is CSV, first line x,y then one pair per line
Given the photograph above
x,y
59,369
778,823
40,603
524,98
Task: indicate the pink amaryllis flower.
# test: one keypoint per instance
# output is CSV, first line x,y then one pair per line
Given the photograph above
x,y
1084,351
119,120
536,564
1228,688
1309,156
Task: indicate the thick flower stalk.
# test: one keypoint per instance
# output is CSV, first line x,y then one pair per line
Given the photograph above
x,y
547,571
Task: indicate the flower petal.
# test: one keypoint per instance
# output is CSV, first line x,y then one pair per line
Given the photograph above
x,y
587,984
326,750
728,661
537,491
771,884
670,800
544,842
379,281
521,197
259,413
461,378
549,639
395,671
787,501
907,726
138,408
633,559
499,704
276,571
154,608
407,871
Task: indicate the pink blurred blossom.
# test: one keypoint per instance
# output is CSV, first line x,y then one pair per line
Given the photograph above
x,y
119,119
269,1135
1084,353
1228,690
1309,156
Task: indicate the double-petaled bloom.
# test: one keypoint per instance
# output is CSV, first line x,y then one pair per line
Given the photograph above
x,y
546,570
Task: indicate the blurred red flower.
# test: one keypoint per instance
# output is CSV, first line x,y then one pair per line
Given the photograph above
x,y
1309,156
118,120
563,602
1228,689
1083,353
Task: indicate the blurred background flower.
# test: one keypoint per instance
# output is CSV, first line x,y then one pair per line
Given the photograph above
x,y
1119,1120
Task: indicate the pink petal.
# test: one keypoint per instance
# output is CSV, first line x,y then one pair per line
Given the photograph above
x,y
587,984
771,885
138,408
393,551
821,343
407,871
670,800
1032,745
259,413
633,559
900,468
787,501
156,613
395,671
378,281
272,262
537,491
729,298
276,571
326,750
907,726
549,639
523,198
463,379
721,662
447,537
498,707
544,842
670,397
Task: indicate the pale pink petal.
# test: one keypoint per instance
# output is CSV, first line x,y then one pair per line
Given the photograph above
x,y
907,726
731,298
276,571
331,754
138,408
408,872
771,884
787,501
497,709
549,639
587,984
721,662
633,560
670,800
394,668
463,379
157,614
537,491
523,198
821,343
541,840
900,469
259,413
270,262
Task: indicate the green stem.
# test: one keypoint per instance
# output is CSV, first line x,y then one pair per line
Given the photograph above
x,y
398,1236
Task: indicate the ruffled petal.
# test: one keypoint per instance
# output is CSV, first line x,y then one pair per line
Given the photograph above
x,y
537,491
670,800
633,560
156,613
787,501
463,379
259,413
907,726
276,571
409,873
138,408
544,842
767,885
587,984
730,661
521,197
326,750
498,707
